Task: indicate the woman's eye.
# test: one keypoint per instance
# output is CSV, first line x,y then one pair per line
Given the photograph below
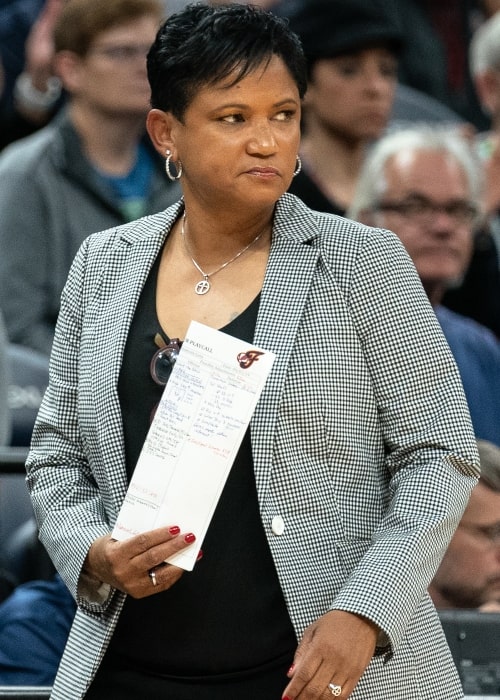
x,y
285,115
232,118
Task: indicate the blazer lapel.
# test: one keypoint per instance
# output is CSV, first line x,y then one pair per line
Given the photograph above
x,y
292,262
123,277
291,266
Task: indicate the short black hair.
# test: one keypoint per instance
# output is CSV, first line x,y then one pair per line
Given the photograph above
x,y
202,45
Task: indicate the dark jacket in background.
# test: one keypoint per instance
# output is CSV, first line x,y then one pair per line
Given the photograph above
x,y
51,198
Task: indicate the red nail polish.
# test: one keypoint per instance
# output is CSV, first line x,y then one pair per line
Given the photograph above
x,y
286,698
200,554
174,530
189,537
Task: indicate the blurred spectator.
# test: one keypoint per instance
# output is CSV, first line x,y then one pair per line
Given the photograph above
x,y
7,583
90,169
478,296
4,385
490,6
352,48
424,185
2,78
34,624
412,106
485,67
32,91
435,57
16,20
484,58
469,574
6,580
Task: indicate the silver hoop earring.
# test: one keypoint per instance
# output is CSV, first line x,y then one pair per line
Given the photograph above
x,y
167,168
298,167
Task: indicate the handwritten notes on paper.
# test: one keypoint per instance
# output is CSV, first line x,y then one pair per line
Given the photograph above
x,y
196,432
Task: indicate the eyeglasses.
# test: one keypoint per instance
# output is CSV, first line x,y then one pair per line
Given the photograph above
x,y
487,532
123,52
420,210
164,359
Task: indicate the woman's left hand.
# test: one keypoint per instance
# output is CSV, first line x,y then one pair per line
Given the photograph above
x,y
336,649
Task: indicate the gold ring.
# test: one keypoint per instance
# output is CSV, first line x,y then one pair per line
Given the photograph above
x,y
335,689
152,576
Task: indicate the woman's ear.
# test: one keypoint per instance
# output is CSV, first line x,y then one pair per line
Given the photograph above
x,y
159,127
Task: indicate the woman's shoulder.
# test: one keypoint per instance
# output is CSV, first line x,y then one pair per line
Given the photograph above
x,y
330,231
351,251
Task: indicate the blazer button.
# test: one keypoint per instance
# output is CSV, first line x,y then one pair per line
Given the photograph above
x,y
278,525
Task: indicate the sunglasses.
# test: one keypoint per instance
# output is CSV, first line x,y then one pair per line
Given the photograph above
x,y
164,359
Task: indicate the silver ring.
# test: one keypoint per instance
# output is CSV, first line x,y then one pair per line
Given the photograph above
x,y
335,689
152,576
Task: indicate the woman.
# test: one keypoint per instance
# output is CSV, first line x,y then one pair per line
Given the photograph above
x,y
360,457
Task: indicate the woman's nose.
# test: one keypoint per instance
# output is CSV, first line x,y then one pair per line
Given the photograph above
x,y
262,138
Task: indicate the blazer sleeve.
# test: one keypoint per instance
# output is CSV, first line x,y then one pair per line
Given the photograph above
x,y
431,454
67,503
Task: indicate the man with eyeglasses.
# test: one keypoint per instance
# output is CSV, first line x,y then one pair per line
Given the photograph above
x,y
469,574
424,185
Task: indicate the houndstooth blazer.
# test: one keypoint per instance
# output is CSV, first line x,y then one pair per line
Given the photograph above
x,y
361,439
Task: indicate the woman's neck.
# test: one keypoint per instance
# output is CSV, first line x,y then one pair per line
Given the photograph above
x,y
216,235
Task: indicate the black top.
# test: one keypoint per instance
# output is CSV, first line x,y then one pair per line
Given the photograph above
x,y
304,187
227,616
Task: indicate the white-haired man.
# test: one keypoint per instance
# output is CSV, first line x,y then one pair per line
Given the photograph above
x,y
424,185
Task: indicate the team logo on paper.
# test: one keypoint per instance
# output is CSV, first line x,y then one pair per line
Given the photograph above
x,y
246,359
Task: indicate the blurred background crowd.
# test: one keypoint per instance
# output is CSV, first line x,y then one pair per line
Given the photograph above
x,y
401,129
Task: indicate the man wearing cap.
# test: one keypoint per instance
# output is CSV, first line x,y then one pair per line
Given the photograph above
x,y
352,48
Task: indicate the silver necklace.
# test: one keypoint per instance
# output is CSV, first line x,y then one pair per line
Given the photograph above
x,y
203,286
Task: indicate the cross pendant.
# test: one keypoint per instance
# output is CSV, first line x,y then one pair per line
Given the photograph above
x,y
202,287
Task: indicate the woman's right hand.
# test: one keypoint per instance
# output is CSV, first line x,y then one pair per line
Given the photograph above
x,y
137,566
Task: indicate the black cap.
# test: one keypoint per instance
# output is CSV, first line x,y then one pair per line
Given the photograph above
x,y
328,28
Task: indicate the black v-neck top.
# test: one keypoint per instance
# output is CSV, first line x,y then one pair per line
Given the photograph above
x,y
228,616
